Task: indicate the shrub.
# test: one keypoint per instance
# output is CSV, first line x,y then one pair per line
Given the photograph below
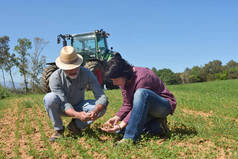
x,y
4,92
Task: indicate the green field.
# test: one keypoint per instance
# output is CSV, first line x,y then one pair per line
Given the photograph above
x,y
204,125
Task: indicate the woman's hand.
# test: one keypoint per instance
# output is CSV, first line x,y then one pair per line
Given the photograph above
x,y
111,129
112,121
112,125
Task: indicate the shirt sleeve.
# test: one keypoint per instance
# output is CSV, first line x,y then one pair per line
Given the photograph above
x,y
55,84
98,92
125,110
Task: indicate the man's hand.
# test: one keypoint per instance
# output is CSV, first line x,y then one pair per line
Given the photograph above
x,y
94,113
83,116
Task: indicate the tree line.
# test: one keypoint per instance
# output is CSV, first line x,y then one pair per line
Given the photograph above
x,y
29,63
214,70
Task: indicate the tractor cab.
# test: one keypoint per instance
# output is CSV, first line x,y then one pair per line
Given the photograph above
x,y
92,46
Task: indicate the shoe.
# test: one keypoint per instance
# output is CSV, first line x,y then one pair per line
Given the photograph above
x,y
157,126
57,134
72,127
164,126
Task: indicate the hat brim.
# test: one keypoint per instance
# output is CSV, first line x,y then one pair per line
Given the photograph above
x,y
65,66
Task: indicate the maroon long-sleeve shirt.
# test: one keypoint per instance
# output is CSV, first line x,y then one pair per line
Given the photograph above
x,y
142,78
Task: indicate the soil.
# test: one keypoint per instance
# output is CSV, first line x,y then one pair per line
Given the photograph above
x,y
15,140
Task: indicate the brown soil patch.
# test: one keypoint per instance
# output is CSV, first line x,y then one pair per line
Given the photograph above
x,y
232,119
201,148
7,129
204,114
196,113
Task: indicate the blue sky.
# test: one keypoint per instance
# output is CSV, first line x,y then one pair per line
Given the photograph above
x,y
171,34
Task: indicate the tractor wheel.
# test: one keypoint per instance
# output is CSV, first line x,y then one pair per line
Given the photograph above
x,y
97,68
46,76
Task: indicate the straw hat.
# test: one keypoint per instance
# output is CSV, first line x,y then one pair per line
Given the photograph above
x,y
68,59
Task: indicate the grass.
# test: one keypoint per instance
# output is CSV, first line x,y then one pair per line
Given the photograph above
x,y
204,125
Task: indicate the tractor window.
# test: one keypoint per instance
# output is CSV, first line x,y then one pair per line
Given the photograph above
x,y
90,45
101,43
84,45
78,45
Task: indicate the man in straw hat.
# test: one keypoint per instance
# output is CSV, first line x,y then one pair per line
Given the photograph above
x,y
66,98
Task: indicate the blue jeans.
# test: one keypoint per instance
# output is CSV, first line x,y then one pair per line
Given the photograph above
x,y
55,109
147,107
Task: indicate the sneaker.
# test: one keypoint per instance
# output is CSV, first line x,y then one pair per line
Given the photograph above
x,y
72,127
57,134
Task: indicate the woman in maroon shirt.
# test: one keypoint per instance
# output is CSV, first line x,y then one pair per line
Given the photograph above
x,y
146,101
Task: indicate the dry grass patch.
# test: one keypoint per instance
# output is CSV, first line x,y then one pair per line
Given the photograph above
x,y
202,148
196,113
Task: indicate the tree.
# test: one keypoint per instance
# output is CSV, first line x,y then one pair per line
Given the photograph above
x,y
195,74
8,59
231,64
22,48
154,70
185,75
11,61
231,68
167,76
212,68
178,78
37,62
4,48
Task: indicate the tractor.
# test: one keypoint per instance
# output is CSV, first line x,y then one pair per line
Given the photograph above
x,y
93,48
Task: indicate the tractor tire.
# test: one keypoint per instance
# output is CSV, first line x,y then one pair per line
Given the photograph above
x,y
46,76
94,66
97,68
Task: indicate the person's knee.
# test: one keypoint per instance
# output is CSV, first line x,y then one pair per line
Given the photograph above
x,y
141,92
50,99
140,97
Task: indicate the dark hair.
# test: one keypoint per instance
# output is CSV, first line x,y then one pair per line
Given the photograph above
x,y
118,67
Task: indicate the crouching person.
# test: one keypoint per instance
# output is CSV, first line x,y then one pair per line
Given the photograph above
x,y
66,98
146,101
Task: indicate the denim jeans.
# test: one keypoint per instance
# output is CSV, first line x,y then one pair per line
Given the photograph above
x,y
54,108
147,107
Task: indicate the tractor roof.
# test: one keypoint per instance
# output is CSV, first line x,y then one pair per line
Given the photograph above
x,y
96,32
